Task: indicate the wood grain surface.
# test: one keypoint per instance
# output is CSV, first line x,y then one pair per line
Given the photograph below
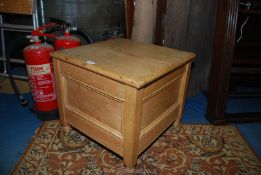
x,y
129,94
17,6
132,63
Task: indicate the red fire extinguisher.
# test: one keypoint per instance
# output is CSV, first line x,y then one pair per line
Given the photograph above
x,y
41,76
66,41
40,71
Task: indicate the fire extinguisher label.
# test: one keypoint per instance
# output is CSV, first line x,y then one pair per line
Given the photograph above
x,y
38,69
41,81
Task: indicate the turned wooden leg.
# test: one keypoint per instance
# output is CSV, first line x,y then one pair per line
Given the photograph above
x,y
66,130
176,123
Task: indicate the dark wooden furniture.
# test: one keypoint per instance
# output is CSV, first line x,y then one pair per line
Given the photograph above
x,y
129,13
234,63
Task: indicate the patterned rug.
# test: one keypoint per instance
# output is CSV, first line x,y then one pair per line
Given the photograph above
x,y
188,149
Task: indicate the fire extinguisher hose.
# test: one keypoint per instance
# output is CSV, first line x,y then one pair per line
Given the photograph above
x,y
18,44
22,100
83,34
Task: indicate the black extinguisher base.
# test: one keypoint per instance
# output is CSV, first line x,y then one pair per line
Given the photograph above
x,y
47,116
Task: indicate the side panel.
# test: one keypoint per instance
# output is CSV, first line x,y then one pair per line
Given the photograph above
x,y
160,106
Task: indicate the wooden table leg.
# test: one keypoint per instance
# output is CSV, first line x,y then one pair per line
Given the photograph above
x,y
131,126
66,129
183,94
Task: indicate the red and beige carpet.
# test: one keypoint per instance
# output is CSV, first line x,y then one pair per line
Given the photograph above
x,y
188,149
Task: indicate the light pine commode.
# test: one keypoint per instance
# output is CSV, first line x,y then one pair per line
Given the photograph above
x,y
121,93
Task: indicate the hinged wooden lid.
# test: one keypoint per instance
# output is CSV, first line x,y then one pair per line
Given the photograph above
x,y
129,62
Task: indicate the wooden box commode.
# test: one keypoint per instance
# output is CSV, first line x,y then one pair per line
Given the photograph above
x,y
121,93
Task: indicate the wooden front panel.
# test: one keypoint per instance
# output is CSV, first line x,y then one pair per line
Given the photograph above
x,y
95,106
107,85
99,134
93,97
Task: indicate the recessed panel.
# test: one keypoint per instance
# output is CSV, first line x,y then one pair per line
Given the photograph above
x,y
159,101
97,106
